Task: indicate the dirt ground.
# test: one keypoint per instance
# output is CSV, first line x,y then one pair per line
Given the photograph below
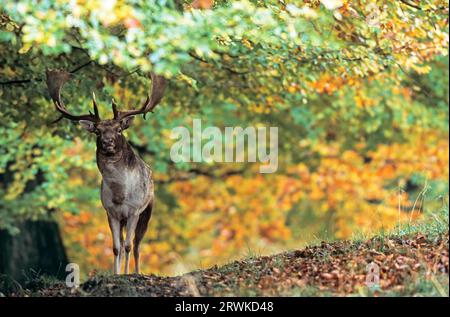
x,y
408,266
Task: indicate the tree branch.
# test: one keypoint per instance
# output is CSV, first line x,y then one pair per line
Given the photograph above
x,y
25,81
189,174
229,69
194,172
411,5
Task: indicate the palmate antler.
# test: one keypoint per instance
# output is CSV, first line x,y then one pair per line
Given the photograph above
x,y
57,78
159,84
55,81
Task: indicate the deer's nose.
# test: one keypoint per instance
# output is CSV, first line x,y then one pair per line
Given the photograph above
x,y
108,142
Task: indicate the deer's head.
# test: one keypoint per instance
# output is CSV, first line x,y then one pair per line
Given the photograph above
x,y
109,132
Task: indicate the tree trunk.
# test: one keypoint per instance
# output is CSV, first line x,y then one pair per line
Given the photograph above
x,y
37,249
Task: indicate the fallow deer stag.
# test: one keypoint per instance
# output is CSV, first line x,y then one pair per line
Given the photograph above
x,y
127,184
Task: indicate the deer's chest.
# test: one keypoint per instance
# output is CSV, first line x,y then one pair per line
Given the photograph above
x,y
126,192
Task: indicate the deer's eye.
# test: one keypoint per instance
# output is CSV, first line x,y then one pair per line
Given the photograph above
x,y
119,131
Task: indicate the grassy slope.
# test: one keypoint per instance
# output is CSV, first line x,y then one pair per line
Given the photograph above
x,y
413,261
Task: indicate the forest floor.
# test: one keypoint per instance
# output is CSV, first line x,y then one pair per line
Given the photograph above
x,y
414,262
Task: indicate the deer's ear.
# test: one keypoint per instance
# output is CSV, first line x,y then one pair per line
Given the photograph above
x,y
125,123
88,125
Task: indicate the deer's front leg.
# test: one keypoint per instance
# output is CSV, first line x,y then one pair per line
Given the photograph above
x,y
114,225
131,228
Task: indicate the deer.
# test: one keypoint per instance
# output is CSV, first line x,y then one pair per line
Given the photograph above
x,y
127,188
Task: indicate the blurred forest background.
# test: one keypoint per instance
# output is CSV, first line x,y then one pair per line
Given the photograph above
x,y
358,89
